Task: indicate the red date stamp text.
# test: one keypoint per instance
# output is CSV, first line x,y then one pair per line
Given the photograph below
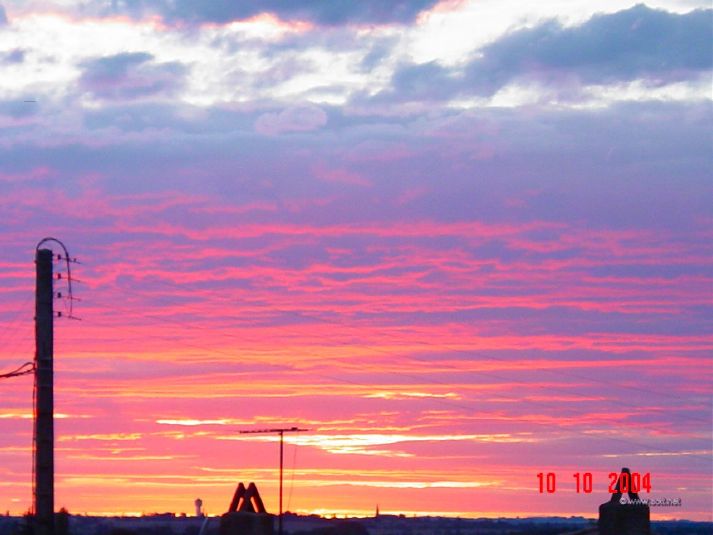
x,y
583,482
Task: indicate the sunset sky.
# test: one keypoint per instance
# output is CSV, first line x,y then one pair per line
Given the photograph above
x,y
462,242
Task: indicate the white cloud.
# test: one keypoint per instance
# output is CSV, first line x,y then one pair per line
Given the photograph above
x,y
233,63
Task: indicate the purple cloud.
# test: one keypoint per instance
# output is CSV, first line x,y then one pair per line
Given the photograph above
x,y
16,55
635,43
131,75
638,43
302,118
17,109
328,13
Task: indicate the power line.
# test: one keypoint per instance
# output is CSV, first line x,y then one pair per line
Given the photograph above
x,y
25,369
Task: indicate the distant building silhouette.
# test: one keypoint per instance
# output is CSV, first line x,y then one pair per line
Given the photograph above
x,y
624,517
342,528
621,516
246,514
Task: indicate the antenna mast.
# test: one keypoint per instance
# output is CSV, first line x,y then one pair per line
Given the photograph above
x,y
281,432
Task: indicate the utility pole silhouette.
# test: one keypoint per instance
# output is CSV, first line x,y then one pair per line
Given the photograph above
x,y
281,432
43,461
44,390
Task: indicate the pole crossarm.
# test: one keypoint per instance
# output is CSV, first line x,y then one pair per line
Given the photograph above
x,y
268,431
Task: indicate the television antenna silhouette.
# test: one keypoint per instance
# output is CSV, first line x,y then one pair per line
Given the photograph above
x,y
281,432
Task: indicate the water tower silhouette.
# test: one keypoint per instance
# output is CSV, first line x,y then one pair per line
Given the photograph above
x,y
199,507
